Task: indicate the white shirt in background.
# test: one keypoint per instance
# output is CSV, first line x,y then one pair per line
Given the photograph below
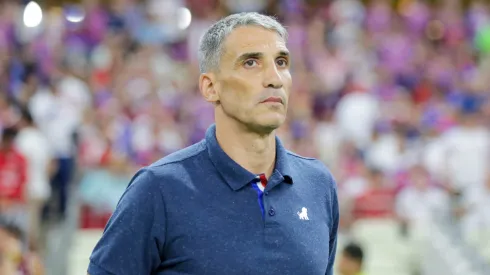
x,y
385,154
419,207
354,187
467,153
356,116
143,135
76,94
328,141
477,218
36,149
433,158
57,120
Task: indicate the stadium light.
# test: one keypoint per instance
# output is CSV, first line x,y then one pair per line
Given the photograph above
x,y
184,18
75,14
33,15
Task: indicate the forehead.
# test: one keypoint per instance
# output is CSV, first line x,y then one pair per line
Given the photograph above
x,y
253,39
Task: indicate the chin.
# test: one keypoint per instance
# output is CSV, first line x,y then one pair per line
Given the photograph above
x,y
270,123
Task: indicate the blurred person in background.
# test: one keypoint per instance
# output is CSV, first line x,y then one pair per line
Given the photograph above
x,y
7,111
16,257
58,111
475,213
391,151
7,266
356,115
11,248
378,199
30,84
35,147
13,178
418,205
467,149
351,260
421,201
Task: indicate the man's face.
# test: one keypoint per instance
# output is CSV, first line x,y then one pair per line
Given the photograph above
x,y
253,82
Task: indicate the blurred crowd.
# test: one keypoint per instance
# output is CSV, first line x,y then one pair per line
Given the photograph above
x,y
391,95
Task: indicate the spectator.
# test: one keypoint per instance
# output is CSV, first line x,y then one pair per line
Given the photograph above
x,y
476,211
13,178
10,248
35,147
356,115
417,205
422,200
377,201
351,260
58,110
467,147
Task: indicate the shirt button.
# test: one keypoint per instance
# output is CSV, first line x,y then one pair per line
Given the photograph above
x,y
272,212
267,193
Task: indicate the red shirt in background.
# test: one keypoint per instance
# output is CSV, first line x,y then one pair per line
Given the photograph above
x,y
375,204
13,175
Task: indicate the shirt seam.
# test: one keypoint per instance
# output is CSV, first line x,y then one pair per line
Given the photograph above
x,y
153,230
201,150
300,157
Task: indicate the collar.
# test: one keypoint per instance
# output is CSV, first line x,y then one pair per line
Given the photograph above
x,y
235,175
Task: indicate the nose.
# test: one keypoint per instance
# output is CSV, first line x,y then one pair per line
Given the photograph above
x,y
272,77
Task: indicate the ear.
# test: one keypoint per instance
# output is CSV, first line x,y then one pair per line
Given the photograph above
x,y
207,88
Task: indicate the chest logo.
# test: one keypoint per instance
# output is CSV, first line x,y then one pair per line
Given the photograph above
x,y
303,215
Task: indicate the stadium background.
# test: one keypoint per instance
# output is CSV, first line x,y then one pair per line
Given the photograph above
x,y
391,95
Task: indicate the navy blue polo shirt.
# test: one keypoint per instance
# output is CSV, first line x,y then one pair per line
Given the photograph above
x,y
197,212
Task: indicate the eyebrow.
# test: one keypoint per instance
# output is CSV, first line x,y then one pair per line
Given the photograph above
x,y
283,54
245,56
257,55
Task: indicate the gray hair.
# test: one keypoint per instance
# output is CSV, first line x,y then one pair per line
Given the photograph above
x,y
211,44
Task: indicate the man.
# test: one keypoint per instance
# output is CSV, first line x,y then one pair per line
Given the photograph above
x,y
57,110
33,144
467,148
13,177
350,262
236,202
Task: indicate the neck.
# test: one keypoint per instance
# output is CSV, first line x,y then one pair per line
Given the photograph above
x,y
254,152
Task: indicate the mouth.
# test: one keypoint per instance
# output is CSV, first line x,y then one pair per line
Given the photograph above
x,y
273,99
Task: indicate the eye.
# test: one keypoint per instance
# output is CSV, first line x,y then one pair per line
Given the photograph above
x,y
250,63
282,62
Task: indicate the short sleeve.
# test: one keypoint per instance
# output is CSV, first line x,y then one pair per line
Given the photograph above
x,y
135,234
335,216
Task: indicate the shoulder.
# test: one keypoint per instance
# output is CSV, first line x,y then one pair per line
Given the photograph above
x,y
312,167
312,164
168,169
185,155
173,167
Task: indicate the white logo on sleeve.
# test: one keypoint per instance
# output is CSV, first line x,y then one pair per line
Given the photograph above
x,y
303,215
